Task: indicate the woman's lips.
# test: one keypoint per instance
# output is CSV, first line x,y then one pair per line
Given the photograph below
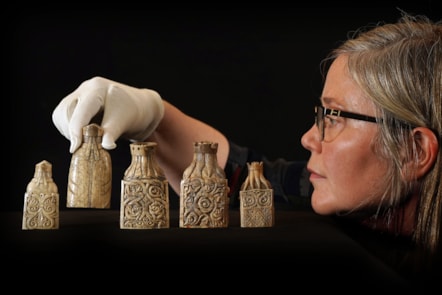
x,y
314,174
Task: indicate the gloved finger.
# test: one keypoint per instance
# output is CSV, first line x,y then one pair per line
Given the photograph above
x,y
62,114
120,114
88,105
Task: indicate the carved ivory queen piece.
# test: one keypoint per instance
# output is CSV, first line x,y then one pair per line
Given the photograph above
x,y
204,200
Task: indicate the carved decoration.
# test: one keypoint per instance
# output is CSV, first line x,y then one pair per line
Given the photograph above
x,y
90,172
256,199
41,205
144,191
204,201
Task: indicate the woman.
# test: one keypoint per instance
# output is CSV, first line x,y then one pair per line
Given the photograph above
x,y
375,147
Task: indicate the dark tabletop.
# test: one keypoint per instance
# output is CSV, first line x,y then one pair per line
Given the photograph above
x,y
300,241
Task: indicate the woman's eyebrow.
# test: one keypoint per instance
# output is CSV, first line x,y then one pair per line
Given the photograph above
x,y
326,100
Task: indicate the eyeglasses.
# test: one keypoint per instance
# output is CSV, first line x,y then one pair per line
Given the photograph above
x,y
331,120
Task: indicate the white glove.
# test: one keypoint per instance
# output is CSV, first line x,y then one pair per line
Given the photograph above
x,y
127,111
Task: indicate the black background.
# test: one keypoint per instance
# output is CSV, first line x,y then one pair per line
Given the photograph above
x,y
251,71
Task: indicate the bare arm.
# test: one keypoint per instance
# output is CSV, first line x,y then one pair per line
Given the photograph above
x,y
175,136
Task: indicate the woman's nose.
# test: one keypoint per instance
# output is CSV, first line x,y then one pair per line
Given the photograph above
x,y
310,140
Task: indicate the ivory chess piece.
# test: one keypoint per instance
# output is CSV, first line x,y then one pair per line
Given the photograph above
x,y
41,205
204,201
144,191
256,199
90,172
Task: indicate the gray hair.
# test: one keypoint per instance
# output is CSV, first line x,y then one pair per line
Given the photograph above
x,y
399,67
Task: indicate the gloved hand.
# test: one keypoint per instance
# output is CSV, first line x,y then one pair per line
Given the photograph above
x,y
126,111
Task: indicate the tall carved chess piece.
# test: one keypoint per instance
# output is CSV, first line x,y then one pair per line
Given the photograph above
x,y
256,199
144,191
41,205
204,201
90,172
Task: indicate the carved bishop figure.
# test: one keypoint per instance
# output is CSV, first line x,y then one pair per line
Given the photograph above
x,y
41,206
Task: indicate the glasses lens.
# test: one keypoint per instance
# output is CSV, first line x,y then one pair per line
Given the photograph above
x,y
319,120
334,121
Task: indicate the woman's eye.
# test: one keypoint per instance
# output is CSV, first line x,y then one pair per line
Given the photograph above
x,y
331,121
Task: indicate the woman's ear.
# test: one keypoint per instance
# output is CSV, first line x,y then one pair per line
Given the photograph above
x,y
427,148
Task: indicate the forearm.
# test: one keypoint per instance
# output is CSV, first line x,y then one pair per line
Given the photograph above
x,y
175,136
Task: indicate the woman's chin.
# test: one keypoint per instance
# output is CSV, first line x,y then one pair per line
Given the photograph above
x,y
322,207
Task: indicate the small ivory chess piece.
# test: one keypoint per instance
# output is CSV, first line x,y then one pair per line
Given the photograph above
x,y
41,205
256,199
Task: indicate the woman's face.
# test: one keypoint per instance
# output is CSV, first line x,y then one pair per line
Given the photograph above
x,y
345,172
